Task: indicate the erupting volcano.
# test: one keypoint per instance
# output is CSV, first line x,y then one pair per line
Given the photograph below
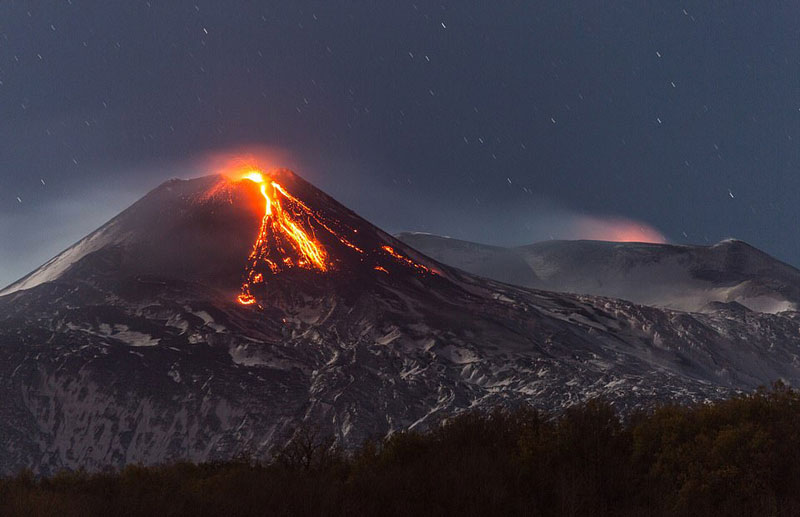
x,y
217,315
239,231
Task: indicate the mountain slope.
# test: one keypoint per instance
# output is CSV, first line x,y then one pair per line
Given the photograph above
x,y
136,345
689,278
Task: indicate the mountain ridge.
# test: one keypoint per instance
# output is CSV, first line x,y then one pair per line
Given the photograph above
x,y
681,277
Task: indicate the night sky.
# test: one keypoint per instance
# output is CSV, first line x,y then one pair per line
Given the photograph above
x,y
499,122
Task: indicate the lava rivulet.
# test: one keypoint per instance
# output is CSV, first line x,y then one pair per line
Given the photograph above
x,y
282,242
288,238
406,260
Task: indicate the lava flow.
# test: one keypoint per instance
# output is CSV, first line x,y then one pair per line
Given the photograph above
x,y
280,229
287,239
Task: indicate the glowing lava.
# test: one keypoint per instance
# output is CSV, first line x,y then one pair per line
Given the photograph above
x,y
280,229
286,239
406,260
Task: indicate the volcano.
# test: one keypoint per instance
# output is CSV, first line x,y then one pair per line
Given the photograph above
x,y
210,230
216,316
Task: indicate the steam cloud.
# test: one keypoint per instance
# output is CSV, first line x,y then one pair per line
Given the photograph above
x,y
615,229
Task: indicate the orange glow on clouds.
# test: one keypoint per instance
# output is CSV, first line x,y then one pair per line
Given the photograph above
x,y
234,162
616,229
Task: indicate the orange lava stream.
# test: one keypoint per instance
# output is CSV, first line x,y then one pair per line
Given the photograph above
x,y
316,218
283,242
280,222
401,258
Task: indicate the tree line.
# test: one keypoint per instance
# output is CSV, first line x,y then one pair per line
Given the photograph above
x,y
739,457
